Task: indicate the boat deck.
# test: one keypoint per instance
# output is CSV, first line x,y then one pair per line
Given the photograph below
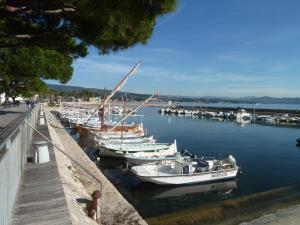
x,y
155,170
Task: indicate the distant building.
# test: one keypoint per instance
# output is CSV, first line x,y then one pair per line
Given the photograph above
x,y
2,98
95,100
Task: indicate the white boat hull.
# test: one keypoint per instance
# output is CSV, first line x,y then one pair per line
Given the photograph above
x,y
136,152
122,154
184,179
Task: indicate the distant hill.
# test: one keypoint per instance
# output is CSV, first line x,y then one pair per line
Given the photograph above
x,y
208,99
99,92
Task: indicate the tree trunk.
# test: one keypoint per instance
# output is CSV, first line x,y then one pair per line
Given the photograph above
x,y
14,100
6,98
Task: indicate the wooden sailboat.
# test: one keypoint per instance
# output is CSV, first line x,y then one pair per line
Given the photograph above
x,y
84,129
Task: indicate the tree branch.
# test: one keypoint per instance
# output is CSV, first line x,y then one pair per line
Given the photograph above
x,y
13,9
24,36
59,11
53,9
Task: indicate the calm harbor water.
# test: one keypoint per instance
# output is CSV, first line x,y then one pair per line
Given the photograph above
x,y
243,105
267,154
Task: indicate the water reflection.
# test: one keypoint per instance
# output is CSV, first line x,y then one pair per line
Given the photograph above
x,y
169,120
223,189
112,163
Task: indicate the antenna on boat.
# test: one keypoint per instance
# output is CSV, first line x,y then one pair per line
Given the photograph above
x,y
133,111
116,89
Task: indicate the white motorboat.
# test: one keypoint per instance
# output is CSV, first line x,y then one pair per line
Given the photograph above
x,y
243,117
137,150
117,111
265,119
294,120
186,170
283,118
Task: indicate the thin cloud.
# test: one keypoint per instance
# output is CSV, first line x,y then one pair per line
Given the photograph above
x,y
86,65
237,58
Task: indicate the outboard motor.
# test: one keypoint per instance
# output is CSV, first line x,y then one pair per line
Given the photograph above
x,y
232,160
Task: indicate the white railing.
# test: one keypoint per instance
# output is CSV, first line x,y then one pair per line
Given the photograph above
x,y
15,142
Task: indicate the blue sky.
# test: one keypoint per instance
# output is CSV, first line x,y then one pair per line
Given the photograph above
x,y
209,48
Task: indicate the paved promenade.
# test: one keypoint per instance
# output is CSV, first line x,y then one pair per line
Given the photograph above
x,y
9,114
41,199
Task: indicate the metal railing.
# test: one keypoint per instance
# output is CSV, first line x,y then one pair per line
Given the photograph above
x,y
15,141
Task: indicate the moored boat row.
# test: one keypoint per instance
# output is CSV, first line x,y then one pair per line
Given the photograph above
x,y
241,116
160,163
155,162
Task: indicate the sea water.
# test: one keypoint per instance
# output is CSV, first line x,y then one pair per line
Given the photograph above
x,y
268,156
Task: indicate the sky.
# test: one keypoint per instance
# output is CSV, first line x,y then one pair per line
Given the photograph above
x,y
229,48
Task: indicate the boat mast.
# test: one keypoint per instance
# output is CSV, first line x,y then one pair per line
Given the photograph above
x,y
109,110
133,111
123,116
102,118
117,88
102,112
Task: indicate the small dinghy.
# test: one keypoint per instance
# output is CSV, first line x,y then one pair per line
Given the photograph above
x,y
187,170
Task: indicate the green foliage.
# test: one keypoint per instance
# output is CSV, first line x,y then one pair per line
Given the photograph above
x,y
86,95
40,39
22,70
110,25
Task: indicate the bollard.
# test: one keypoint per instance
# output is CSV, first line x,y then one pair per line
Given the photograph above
x,y
42,152
42,121
93,210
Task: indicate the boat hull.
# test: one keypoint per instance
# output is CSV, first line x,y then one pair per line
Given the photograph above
x,y
85,129
137,154
109,153
196,178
